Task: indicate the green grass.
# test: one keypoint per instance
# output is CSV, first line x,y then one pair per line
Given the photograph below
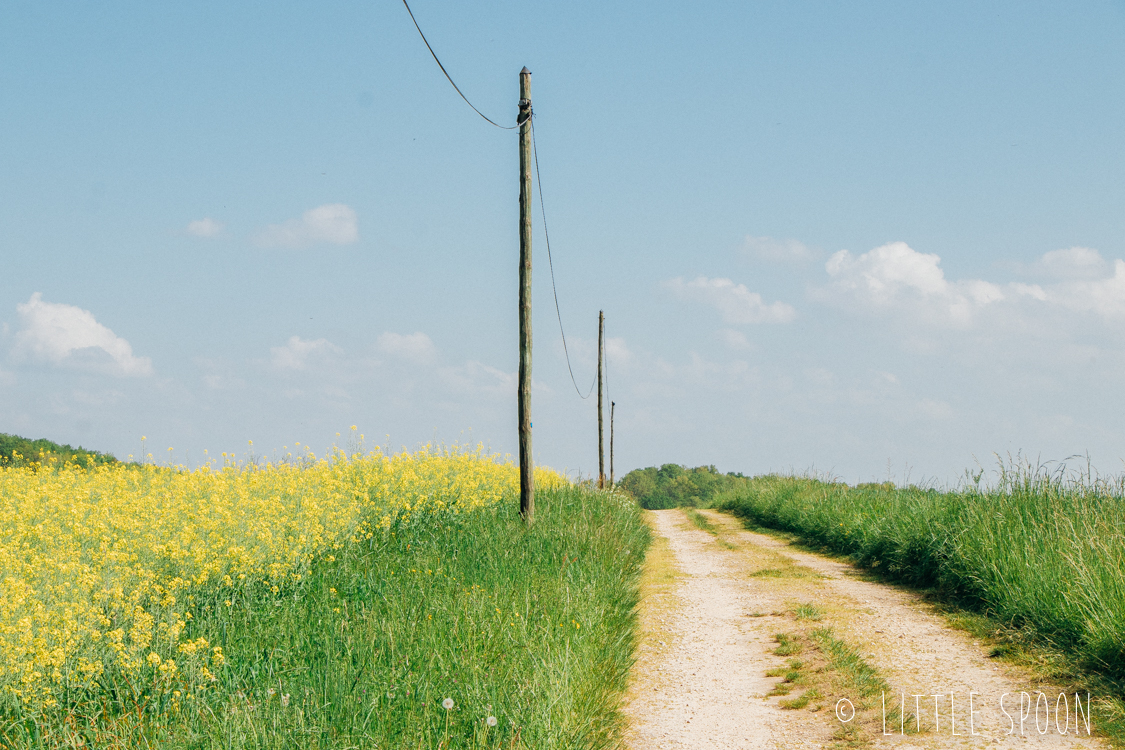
x,y
787,644
830,670
801,701
789,571
533,627
809,612
792,676
701,522
1039,554
854,672
1036,551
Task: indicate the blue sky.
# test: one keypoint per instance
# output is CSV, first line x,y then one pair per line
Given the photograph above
x,y
867,239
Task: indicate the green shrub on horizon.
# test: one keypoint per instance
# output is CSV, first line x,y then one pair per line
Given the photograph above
x,y
21,451
675,486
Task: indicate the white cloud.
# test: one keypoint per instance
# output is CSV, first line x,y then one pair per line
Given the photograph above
x,y
617,351
69,336
887,270
784,251
1104,296
477,378
1073,263
934,409
413,347
333,223
735,340
737,304
297,353
886,377
218,374
896,276
206,227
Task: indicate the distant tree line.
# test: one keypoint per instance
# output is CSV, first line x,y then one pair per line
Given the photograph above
x,y
21,451
672,485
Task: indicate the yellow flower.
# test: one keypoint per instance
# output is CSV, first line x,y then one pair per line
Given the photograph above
x,y
80,591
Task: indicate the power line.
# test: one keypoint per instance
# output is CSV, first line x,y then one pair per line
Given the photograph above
x,y
458,90
539,182
551,264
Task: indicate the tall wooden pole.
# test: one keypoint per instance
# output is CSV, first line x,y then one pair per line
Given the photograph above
x,y
527,475
611,406
601,432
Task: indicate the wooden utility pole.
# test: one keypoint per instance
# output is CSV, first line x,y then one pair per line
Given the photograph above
x,y
611,405
601,433
527,475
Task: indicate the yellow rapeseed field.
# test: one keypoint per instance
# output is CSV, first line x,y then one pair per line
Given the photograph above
x,y
98,567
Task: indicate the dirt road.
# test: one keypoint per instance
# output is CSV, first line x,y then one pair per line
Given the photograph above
x,y
716,600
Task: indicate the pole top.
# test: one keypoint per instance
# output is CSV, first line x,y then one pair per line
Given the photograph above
x,y
525,71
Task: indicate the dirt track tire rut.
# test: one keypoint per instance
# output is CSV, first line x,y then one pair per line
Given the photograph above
x,y
708,641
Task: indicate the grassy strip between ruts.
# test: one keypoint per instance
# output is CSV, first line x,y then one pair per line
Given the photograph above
x,y
1041,558
703,523
824,668
467,631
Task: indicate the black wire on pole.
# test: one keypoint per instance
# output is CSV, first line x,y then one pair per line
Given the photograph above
x,y
542,209
458,90
551,264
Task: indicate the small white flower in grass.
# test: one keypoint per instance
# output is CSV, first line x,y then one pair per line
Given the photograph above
x,y
447,704
284,699
490,721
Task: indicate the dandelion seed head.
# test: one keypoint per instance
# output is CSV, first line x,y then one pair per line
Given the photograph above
x,y
490,721
447,704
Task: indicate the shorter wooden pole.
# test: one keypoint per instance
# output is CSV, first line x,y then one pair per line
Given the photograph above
x,y
601,431
612,404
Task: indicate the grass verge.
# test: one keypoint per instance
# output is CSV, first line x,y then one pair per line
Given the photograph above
x,y
658,587
412,639
1039,560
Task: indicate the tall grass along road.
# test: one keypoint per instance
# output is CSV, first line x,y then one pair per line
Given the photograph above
x,y
341,602
1036,550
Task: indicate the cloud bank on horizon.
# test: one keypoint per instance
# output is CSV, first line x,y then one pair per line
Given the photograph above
x,y
891,288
